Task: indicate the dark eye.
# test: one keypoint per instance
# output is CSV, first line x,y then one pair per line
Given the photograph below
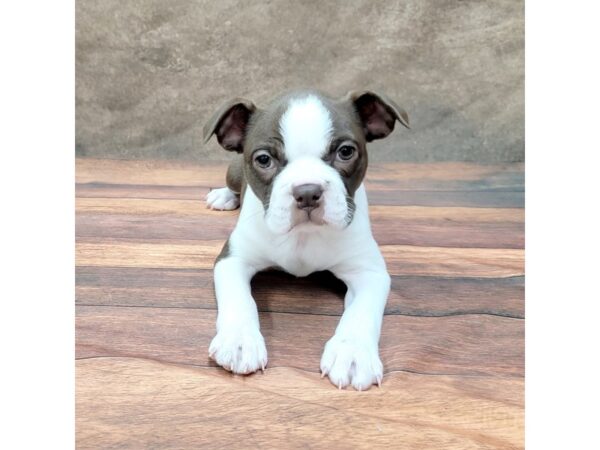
x,y
263,160
345,152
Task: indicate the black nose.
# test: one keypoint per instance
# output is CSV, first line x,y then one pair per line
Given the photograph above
x,y
307,195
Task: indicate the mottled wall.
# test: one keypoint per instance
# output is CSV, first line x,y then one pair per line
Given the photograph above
x,y
149,72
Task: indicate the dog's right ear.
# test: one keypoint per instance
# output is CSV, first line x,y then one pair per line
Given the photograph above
x,y
229,123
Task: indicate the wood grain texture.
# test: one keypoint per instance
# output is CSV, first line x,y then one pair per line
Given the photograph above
x,y
452,341
489,345
392,184
463,196
320,293
210,174
132,403
400,259
405,225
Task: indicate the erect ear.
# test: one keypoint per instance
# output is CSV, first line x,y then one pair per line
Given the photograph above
x,y
229,123
377,113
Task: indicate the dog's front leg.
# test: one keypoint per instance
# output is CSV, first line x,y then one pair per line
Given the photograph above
x,y
238,346
352,354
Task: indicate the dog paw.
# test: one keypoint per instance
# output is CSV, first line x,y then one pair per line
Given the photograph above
x,y
222,199
350,360
239,350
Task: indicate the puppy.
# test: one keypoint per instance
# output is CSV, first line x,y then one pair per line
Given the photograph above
x,y
299,178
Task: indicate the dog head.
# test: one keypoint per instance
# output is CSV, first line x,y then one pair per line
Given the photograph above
x,y
305,154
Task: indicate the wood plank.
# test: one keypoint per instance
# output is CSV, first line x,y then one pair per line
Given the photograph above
x,y
453,262
140,172
185,208
148,207
320,293
211,174
387,230
433,184
458,345
401,259
475,199
106,190
132,403
112,252
453,196
495,177
406,225
374,182
447,214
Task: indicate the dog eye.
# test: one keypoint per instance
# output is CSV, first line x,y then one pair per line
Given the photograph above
x,y
345,152
263,160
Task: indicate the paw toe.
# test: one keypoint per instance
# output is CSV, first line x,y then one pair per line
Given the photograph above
x,y
240,352
349,361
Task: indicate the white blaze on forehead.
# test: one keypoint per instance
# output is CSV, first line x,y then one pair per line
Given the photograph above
x,y
306,128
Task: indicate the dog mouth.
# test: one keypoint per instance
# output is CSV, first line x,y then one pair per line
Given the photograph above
x,y
308,217
315,216
334,210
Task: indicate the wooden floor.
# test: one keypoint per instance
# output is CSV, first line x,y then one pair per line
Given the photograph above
x,y
452,343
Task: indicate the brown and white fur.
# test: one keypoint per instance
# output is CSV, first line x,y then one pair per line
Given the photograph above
x,y
299,177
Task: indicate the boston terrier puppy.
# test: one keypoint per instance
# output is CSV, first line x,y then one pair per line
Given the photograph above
x,y
299,178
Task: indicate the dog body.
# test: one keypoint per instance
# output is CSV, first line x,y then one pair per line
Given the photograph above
x,y
299,178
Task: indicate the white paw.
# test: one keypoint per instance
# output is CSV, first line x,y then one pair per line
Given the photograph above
x,y
222,199
239,350
352,360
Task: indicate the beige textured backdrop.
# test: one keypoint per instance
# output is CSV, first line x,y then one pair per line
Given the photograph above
x,y
150,72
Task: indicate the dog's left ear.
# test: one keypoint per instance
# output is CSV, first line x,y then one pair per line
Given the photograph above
x,y
377,113
229,123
